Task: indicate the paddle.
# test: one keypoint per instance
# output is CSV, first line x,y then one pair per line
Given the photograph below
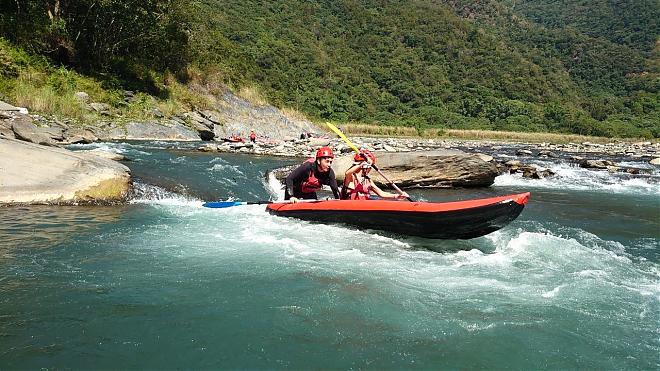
x,y
350,144
225,204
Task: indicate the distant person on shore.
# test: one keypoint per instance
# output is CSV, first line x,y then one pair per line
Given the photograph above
x,y
357,183
253,136
308,178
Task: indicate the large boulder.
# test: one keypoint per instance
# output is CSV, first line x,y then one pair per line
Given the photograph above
x,y
26,130
429,169
31,173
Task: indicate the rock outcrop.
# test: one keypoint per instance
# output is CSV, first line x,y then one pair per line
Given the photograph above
x,y
35,174
235,115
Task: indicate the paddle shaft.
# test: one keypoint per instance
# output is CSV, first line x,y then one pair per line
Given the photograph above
x,y
390,182
226,204
350,144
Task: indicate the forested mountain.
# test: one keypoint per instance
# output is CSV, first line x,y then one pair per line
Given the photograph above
x,y
588,67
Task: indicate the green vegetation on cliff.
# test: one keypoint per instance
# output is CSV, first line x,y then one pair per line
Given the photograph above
x,y
526,65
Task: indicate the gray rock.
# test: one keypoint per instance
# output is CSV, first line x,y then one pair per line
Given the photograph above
x,y
203,131
485,157
8,107
25,130
388,148
547,154
209,147
318,142
99,107
200,121
37,174
5,129
596,164
81,96
80,136
524,152
55,133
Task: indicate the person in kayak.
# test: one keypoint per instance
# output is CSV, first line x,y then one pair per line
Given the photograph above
x,y
358,184
306,179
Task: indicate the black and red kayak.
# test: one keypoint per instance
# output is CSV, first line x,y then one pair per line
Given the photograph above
x,y
446,220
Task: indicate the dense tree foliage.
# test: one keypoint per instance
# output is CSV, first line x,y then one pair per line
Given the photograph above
x,y
101,35
524,65
458,64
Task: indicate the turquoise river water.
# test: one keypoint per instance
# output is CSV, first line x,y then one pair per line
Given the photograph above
x,y
162,282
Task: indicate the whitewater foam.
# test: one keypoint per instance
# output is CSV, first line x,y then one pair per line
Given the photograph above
x,y
574,178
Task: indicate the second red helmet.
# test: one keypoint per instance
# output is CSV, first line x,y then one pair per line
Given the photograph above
x,y
361,156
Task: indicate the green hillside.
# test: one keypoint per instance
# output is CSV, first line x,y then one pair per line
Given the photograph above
x,y
579,67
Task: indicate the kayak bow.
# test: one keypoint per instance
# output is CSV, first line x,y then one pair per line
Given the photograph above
x,y
444,220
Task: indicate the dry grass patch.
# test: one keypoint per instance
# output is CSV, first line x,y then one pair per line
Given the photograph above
x,y
253,95
294,114
523,136
377,130
399,131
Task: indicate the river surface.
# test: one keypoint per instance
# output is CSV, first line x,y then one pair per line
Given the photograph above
x,y
162,282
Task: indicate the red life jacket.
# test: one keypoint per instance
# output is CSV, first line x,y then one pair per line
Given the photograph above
x,y
360,190
312,184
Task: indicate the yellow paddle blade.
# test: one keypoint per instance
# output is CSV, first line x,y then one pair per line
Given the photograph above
x,y
342,136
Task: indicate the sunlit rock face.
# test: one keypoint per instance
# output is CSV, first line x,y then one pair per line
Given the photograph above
x,y
35,174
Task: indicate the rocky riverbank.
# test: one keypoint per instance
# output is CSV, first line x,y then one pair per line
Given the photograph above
x,y
410,162
587,155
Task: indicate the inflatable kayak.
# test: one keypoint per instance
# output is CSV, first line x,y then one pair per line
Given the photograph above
x,y
446,220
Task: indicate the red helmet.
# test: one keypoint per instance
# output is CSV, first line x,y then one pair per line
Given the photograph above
x,y
325,152
364,153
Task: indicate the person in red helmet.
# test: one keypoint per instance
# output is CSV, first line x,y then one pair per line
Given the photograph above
x,y
357,183
306,179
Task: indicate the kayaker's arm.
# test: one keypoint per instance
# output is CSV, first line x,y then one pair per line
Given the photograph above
x,y
383,194
333,183
349,173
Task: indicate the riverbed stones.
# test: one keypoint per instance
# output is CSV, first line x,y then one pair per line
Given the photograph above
x,y
655,161
31,173
596,164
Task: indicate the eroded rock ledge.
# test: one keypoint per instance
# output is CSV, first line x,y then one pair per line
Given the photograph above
x,y
36,174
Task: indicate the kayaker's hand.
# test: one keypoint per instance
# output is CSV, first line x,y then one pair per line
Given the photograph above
x,y
293,200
